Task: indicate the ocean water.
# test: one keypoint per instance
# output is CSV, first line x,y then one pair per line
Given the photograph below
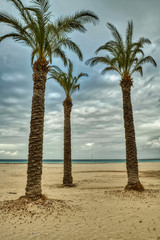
x,y
78,160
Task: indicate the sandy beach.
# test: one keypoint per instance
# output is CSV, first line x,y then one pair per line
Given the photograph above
x,y
97,208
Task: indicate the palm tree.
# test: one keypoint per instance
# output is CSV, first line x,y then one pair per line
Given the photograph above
x,y
69,84
126,57
46,40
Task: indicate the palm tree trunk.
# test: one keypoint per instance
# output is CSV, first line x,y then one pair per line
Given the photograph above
x,y
67,179
131,150
34,172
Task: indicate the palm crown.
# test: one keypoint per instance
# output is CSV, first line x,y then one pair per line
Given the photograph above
x,y
45,38
67,80
125,57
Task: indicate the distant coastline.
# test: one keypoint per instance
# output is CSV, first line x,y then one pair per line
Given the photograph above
x,y
58,161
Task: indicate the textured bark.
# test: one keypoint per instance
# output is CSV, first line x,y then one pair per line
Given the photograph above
x,y
67,179
34,172
131,150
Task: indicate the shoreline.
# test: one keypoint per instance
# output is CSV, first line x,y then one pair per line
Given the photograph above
x,y
102,161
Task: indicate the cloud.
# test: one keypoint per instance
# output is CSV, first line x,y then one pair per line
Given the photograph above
x,y
114,77
53,95
9,153
89,144
154,144
97,113
10,100
14,77
10,146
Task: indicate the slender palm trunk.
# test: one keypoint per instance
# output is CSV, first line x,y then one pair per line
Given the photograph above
x,y
67,179
34,172
131,150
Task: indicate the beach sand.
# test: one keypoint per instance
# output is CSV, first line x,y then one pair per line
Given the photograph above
x,y
97,208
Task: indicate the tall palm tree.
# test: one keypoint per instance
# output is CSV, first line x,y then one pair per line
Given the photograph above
x,y
46,40
69,84
126,57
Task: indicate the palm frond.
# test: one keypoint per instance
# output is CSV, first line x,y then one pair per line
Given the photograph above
x,y
11,21
21,8
9,35
56,68
124,57
117,37
147,59
70,69
139,69
86,16
51,31
68,25
58,52
76,22
43,5
82,75
104,60
128,45
110,47
66,80
66,42
142,61
107,69
129,34
95,60
33,56
143,41
45,38
75,87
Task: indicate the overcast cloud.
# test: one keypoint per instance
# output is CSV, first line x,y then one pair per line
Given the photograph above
x,y
97,116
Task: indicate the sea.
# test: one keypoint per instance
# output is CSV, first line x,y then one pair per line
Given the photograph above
x,y
50,161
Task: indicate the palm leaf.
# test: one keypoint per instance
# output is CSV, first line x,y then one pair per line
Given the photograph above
x,y
58,52
81,75
66,80
139,69
70,69
107,69
124,57
66,42
117,37
76,21
45,38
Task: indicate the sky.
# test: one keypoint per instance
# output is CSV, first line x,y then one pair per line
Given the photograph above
x,y
97,113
